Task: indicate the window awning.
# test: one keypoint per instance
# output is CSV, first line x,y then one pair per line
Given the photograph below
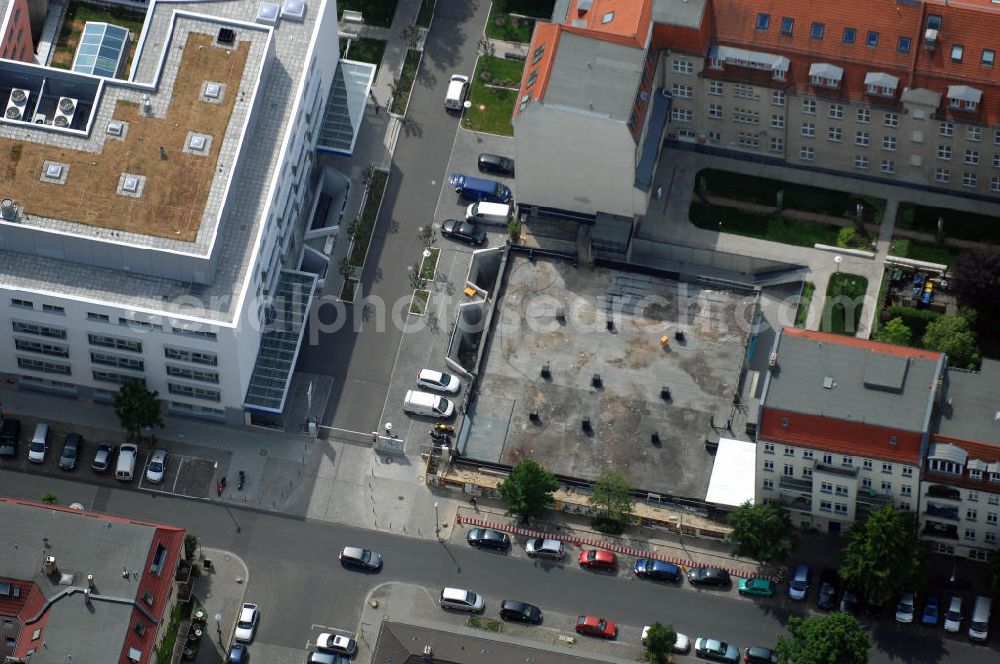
x,y
964,93
881,79
826,70
993,467
745,58
948,452
977,464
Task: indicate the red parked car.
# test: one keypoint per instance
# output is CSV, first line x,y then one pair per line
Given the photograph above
x,y
597,559
593,626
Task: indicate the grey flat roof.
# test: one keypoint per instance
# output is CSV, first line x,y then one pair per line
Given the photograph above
x,y
972,404
864,386
248,194
595,76
82,544
684,13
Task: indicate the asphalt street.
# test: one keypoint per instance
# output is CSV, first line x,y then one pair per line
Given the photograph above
x,y
360,358
296,578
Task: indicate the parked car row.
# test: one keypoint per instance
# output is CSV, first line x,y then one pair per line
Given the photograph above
x,y
418,402
106,456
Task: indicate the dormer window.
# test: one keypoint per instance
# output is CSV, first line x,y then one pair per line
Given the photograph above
x,y
779,74
964,98
995,478
933,22
825,75
881,84
975,474
946,467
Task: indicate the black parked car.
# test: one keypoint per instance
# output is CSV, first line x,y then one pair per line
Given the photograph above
x,y
708,576
758,655
489,539
463,231
511,609
10,433
829,584
70,451
848,601
494,163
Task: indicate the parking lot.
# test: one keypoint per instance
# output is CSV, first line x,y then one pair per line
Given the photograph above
x,y
185,474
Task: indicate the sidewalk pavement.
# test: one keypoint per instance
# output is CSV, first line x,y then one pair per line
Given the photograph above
x,y
220,591
395,47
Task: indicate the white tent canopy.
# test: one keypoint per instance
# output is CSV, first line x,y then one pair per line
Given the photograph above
x,y
733,474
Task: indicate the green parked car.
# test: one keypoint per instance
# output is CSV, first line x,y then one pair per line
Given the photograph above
x,y
756,587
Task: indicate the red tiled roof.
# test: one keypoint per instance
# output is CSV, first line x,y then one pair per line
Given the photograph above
x,y
840,436
628,24
546,37
878,347
161,586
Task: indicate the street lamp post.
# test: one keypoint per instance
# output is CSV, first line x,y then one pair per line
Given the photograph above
x,y
218,629
838,260
437,522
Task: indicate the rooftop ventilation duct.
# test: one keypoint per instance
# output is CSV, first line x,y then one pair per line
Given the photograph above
x,y
50,565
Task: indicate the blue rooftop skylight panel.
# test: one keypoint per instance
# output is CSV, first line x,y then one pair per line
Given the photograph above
x,y
102,49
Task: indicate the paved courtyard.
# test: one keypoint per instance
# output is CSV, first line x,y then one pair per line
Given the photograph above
x,y
551,313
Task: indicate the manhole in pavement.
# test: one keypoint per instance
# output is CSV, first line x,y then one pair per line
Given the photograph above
x,y
400,498
263,452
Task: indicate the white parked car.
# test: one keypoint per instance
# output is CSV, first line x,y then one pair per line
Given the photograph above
x,y
904,610
337,643
681,645
439,381
157,467
246,624
544,548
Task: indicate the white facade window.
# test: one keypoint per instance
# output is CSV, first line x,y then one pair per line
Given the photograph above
x,y
827,458
970,534
778,121
942,175
768,448
682,91
847,461
946,128
889,143
768,485
715,111
887,468
996,137
681,115
840,508
837,111
806,153
862,138
972,496
972,157
826,487
683,67
888,166
809,106
861,162
745,91
996,161
995,184
779,74
891,120
907,471
867,464
777,98
749,139
866,482
746,116
991,517
769,466
974,134
904,507
807,472
969,180
947,467
835,134
886,487
991,537
944,152
807,454
906,490
789,451
864,115
825,506
778,145
788,470
715,87
841,490
716,63
993,499
808,129
715,137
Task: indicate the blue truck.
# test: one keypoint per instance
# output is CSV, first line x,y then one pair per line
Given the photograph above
x,y
479,189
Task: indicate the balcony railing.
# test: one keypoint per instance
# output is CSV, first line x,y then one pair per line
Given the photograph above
x,y
942,491
871,498
940,530
842,471
804,486
942,512
795,502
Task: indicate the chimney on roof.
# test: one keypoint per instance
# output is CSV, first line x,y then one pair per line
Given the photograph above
x,y
50,565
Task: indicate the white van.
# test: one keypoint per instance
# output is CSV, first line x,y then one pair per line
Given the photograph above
x,y
457,89
487,213
39,443
425,403
953,616
459,599
125,469
979,623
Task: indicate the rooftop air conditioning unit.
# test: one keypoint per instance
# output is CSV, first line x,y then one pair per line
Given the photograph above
x,y
17,104
65,111
930,39
40,118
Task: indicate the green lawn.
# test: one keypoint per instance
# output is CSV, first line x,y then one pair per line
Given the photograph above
x,y
808,289
843,292
428,266
375,12
764,191
493,107
418,304
962,225
763,226
425,14
921,251
401,95
365,224
366,49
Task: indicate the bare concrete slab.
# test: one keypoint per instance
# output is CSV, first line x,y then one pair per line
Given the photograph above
x,y
553,313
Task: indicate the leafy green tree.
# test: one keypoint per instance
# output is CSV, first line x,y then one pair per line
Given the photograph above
x,y
612,495
895,332
659,642
50,499
137,407
528,489
836,638
762,532
884,555
953,336
977,279
190,546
